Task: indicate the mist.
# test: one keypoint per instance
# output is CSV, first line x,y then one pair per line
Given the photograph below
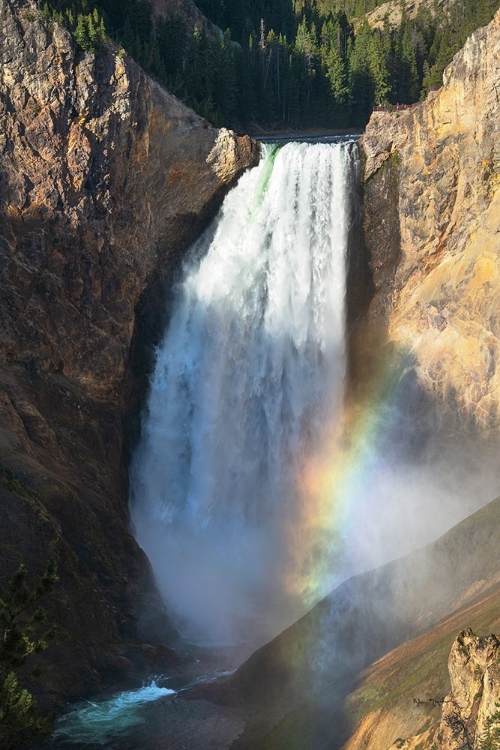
x,y
403,505
252,365
257,487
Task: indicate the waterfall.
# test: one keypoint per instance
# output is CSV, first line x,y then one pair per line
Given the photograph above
x,y
249,375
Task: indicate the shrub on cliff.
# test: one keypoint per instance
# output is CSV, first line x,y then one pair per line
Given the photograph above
x,y
491,737
23,633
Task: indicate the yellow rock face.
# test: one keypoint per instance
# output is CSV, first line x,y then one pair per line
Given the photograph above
x,y
439,297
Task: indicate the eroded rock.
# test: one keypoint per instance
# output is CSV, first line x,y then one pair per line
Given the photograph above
x,y
105,180
468,711
433,171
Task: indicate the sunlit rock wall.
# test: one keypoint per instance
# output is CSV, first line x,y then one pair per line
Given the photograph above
x,y
432,223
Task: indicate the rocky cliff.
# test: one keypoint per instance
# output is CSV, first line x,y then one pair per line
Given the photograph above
x,y
393,11
470,715
403,696
432,207
105,180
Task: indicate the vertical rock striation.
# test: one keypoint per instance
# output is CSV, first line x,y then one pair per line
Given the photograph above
x,y
432,208
105,178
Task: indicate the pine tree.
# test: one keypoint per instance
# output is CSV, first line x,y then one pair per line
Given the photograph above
x,y
378,70
81,33
247,98
360,77
93,30
22,634
490,740
226,84
289,72
171,35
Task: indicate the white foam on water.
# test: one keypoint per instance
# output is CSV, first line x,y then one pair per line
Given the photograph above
x,y
96,721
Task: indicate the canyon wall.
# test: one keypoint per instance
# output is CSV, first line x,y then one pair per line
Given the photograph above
x,y
105,180
432,222
431,180
430,306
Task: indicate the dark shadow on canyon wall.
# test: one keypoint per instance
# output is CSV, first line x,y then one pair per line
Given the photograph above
x,y
374,251
63,485
360,286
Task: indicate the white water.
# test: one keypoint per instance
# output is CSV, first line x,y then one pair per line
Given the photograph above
x,y
250,371
96,722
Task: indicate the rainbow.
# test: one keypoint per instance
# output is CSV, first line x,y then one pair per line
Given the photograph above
x,y
331,484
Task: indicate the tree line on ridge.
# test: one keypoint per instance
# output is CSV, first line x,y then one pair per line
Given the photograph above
x,y
283,63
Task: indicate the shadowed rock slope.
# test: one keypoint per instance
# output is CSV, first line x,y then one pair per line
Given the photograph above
x,y
105,180
188,11
305,674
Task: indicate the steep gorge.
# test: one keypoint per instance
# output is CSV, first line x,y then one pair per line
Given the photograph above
x,y
431,245
105,180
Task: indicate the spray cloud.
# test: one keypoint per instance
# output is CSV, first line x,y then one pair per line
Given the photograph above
x,y
253,493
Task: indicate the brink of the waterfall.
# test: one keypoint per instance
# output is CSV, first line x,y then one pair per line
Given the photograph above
x,y
247,386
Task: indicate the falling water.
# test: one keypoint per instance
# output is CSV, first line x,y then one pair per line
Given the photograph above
x,y
249,374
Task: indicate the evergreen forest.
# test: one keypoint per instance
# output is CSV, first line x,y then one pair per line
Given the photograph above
x,y
281,64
